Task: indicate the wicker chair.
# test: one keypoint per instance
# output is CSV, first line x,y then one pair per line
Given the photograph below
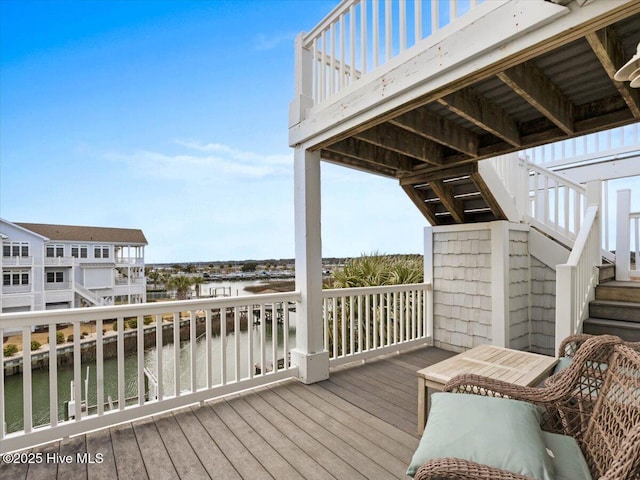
x,y
599,407
572,343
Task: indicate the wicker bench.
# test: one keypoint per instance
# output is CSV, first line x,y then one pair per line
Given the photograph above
x,y
596,401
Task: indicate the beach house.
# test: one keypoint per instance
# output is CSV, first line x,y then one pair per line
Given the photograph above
x,y
504,125
46,267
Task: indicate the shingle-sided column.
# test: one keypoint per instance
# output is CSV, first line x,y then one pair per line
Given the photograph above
x,y
309,355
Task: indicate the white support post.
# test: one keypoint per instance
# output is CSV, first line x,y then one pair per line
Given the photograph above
x,y
500,335
594,198
623,246
309,355
428,278
565,302
303,93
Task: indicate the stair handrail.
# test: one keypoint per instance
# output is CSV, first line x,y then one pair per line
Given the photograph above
x,y
624,246
88,294
577,279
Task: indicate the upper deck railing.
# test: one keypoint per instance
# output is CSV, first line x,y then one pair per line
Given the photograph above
x,y
359,36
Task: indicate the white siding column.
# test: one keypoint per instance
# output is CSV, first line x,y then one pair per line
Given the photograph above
x,y
309,355
500,283
428,278
623,244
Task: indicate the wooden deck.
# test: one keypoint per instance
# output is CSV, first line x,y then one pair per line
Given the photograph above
x,y
360,424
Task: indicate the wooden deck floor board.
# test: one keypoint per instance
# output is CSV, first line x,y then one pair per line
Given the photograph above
x,y
210,455
129,463
105,467
242,460
303,463
156,459
359,424
335,465
268,457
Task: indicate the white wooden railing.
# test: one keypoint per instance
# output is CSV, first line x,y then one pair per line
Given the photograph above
x,y
576,280
627,238
359,36
225,369
609,143
367,321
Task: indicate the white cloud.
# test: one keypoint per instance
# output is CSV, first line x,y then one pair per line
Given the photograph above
x,y
264,42
205,162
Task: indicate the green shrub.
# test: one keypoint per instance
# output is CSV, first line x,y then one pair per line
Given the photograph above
x,y
10,350
132,323
59,338
35,345
114,325
70,338
148,319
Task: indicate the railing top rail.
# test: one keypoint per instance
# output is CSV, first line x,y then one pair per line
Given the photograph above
x,y
543,171
327,21
583,235
43,317
344,292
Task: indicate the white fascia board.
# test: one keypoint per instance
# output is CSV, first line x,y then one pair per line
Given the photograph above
x,y
605,170
495,32
22,229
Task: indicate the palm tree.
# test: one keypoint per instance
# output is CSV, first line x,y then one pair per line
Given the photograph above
x,y
181,284
197,281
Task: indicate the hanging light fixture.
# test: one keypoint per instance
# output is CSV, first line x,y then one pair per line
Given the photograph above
x,y
630,71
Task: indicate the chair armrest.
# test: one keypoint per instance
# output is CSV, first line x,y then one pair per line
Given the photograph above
x,y
457,469
570,345
489,387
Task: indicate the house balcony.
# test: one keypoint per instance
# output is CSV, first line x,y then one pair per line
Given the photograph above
x,y
129,261
59,261
263,336
17,261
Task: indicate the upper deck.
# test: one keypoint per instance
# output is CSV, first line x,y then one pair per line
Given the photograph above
x,y
421,91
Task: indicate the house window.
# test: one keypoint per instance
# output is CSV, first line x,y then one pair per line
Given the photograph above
x,y
55,251
79,251
15,249
55,277
100,251
19,277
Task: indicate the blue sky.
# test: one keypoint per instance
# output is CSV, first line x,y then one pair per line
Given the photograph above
x,y
172,117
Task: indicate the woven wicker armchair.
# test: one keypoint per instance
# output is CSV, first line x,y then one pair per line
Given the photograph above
x,y
596,401
570,345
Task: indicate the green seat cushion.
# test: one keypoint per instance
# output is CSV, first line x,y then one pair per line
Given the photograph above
x,y
498,432
563,362
568,461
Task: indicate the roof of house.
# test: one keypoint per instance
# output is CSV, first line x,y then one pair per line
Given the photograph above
x,y
87,234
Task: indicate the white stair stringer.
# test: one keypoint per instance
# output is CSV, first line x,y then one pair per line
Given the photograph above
x,y
548,251
88,295
507,202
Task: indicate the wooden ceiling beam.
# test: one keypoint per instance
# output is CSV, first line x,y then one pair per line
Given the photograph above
x,y
403,142
429,176
610,53
354,163
426,209
483,113
488,197
438,129
360,150
452,204
531,84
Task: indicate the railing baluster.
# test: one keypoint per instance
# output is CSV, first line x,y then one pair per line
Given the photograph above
x,y
332,66
417,7
352,44
403,25
208,350
263,346
363,35
159,352
367,324
250,341
176,354
360,329
388,27
27,398
376,36
223,345
325,309
99,368
374,327
343,325
352,338
193,337
53,378
140,352
323,68
285,331
435,20
402,317
388,297
343,60
274,338
236,342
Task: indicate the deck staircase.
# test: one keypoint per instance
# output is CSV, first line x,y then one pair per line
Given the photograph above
x,y
616,310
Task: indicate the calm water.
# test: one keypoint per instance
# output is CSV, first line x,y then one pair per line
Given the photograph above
x,y
14,412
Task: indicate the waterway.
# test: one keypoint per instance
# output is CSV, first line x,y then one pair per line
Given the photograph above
x,y
14,410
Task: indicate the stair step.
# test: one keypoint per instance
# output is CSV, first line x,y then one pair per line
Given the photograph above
x,y
610,310
629,331
619,291
606,272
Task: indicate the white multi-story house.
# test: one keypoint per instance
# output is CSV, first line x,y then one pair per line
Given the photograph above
x,y
47,267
